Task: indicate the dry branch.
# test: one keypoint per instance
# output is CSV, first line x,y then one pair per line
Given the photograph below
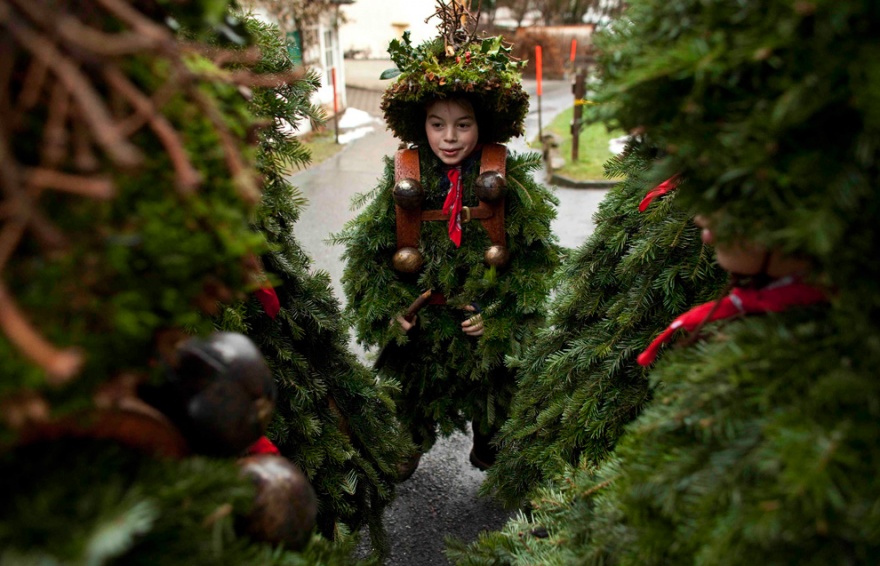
x,y
187,176
92,187
244,181
60,365
95,112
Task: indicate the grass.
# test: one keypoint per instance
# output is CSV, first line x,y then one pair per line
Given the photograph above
x,y
593,149
322,144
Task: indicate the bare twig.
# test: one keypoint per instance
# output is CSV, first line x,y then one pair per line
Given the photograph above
x,y
274,80
187,176
84,158
92,187
55,136
86,37
221,57
94,112
10,184
141,25
244,181
32,86
11,235
60,365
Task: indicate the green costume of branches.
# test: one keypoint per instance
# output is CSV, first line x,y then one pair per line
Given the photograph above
x,y
447,377
579,383
333,419
161,138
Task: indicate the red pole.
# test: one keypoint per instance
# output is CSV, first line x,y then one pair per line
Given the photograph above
x,y
538,67
538,70
574,46
335,104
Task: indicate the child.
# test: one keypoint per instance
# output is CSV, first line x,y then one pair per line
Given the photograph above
x,y
443,220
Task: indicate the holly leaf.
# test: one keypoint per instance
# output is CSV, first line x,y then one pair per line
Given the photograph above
x,y
389,73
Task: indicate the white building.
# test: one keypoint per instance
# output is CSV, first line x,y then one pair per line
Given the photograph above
x,y
372,24
320,51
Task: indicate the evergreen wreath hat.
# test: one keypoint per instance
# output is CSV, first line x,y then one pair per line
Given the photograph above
x,y
455,64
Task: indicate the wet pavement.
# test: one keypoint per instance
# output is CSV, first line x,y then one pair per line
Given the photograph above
x,y
440,499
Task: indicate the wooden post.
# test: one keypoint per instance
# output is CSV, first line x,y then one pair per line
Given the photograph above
x,y
579,90
335,105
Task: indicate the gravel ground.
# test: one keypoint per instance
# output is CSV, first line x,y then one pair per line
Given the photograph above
x,y
440,500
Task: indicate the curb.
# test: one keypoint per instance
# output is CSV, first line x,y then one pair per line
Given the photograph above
x,y
561,181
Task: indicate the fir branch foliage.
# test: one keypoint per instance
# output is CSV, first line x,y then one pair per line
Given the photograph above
x,y
769,108
333,419
709,475
108,504
578,380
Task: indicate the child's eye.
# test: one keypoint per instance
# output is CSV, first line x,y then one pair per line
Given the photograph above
x,y
465,125
436,125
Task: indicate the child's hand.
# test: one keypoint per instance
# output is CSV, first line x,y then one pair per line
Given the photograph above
x,y
473,326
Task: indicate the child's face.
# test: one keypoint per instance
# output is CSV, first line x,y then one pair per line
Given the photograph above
x,y
452,130
748,258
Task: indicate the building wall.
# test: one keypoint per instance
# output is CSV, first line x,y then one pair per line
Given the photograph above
x,y
372,24
321,51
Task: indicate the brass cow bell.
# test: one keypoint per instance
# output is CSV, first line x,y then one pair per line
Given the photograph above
x,y
497,256
490,186
408,194
407,260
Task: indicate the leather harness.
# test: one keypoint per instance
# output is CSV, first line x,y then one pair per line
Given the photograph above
x,y
490,214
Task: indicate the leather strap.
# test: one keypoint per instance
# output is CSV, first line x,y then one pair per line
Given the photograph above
x,y
491,215
494,159
409,222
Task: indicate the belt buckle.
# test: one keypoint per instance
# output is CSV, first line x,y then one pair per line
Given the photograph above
x,y
465,214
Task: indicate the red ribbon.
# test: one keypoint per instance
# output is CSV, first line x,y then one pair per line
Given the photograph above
x,y
777,297
269,299
661,189
452,205
263,446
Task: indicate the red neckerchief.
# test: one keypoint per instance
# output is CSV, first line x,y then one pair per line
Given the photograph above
x,y
452,205
661,189
262,446
776,297
269,299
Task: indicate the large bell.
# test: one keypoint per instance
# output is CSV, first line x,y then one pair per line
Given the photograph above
x,y
490,186
221,393
286,508
408,194
407,260
497,256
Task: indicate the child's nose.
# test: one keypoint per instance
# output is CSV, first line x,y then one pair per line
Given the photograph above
x,y
450,133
